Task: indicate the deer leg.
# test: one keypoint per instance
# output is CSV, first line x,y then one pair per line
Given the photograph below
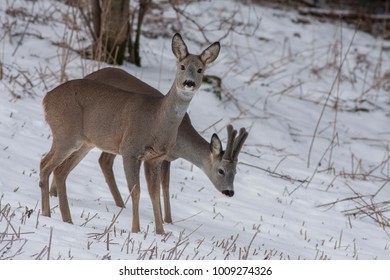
x,y
132,167
165,177
53,188
61,173
54,158
106,162
67,166
45,172
153,175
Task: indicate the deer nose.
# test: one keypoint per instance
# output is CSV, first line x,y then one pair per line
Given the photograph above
x,y
189,83
228,193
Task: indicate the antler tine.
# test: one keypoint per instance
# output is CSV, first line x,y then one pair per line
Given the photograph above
x,y
238,143
230,142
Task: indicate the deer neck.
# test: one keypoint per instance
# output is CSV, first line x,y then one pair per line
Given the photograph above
x,y
176,103
192,147
201,156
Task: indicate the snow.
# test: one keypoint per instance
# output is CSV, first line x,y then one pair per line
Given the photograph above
x,y
278,77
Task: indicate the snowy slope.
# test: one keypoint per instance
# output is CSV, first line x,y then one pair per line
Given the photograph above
x,y
296,196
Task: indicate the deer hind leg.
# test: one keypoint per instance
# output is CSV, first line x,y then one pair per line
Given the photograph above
x,y
57,154
67,166
132,167
106,162
61,173
165,177
153,176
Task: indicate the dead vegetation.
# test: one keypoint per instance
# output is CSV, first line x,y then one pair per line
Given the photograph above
x,y
24,82
369,16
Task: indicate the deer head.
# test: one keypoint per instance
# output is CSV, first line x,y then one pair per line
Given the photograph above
x,y
223,163
190,67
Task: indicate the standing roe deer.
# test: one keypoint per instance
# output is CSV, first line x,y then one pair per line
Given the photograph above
x,y
219,165
83,114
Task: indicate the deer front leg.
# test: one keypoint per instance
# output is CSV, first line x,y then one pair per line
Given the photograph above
x,y
132,167
106,162
153,175
165,177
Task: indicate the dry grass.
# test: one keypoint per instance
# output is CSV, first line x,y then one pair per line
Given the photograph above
x,y
183,245
12,240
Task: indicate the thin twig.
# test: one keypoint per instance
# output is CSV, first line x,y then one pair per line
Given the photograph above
x,y
207,128
12,227
328,96
114,220
245,256
275,174
182,220
49,246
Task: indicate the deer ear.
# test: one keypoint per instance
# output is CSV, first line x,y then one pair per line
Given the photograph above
x,y
211,53
179,48
215,145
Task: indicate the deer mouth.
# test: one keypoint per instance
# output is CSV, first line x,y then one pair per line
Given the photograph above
x,y
189,83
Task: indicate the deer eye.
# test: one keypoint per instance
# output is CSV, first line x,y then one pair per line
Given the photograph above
x,y
182,67
200,70
221,172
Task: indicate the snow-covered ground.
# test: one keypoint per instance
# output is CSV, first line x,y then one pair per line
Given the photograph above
x,y
312,178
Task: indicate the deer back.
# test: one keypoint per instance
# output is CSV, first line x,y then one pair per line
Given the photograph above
x,y
107,117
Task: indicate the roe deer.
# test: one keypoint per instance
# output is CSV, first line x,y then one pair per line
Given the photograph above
x,y
218,165
83,114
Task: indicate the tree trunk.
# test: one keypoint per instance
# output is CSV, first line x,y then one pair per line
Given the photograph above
x,y
134,46
110,22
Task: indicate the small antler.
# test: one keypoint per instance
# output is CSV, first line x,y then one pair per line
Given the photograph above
x,y
228,155
238,143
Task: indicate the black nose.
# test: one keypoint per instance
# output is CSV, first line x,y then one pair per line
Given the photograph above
x,y
228,193
189,83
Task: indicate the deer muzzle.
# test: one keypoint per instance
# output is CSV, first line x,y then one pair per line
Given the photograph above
x,y
228,193
189,84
